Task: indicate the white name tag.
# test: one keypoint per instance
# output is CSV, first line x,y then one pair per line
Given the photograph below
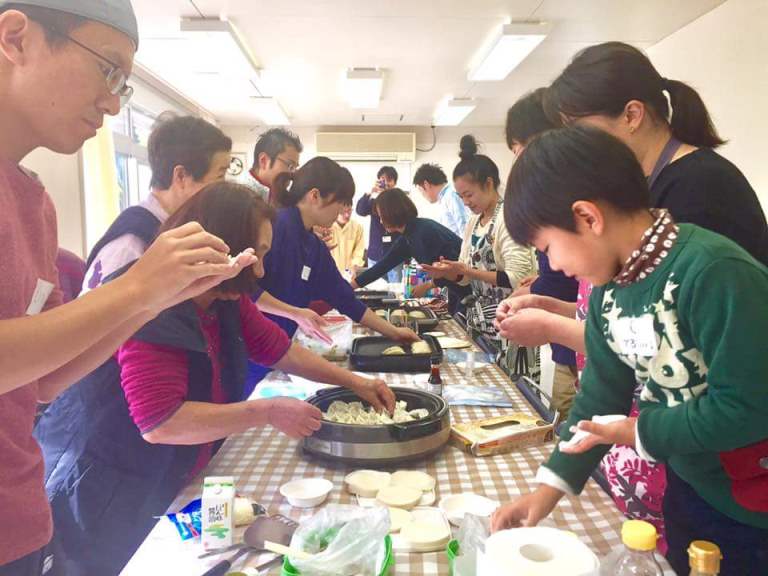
x,y
636,336
305,272
40,297
386,239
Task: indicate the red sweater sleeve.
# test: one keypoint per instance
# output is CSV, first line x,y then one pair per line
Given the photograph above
x,y
154,380
266,341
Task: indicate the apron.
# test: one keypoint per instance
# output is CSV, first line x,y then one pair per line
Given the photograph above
x,y
482,313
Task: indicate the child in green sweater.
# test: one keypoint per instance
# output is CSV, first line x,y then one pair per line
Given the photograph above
x,y
676,308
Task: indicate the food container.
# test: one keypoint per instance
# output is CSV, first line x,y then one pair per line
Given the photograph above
x,y
390,444
386,570
426,324
501,434
306,492
366,355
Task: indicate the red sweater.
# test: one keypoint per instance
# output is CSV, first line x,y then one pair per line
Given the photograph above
x,y
155,377
29,246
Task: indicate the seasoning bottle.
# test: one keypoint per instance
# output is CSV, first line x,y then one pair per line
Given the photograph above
x,y
435,382
704,558
639,540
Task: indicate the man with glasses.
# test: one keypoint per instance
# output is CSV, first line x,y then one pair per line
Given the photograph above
x,y
276,151
63,67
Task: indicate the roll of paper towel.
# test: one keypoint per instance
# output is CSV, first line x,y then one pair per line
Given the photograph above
x,y
536,552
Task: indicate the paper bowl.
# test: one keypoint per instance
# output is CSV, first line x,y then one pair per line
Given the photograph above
x,y
457,505
306,492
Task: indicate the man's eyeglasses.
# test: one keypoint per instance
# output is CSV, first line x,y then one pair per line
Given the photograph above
x,y
117,81
290,165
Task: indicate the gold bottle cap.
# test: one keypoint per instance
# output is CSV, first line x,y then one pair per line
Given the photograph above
x,y
704,556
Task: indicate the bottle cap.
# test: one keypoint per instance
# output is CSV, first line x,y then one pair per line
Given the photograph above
x,y
639,535
704,556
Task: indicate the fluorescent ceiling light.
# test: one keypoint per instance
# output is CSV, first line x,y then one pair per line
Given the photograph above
x,y
453,111
511,47
269,111
215,47
363,86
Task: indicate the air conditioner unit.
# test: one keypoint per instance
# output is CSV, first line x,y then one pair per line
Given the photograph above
x,y
367,146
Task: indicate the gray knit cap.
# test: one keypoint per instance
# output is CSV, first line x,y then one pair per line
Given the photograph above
x,y
116,13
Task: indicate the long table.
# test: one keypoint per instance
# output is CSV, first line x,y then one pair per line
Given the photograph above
x,y
262,460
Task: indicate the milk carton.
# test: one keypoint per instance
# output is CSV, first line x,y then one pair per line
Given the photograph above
x,y
218,511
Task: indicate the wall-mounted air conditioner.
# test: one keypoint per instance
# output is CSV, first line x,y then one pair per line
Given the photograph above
x,y
367,146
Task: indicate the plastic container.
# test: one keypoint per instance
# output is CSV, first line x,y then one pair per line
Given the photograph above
x,y
452,551
389,562
639,544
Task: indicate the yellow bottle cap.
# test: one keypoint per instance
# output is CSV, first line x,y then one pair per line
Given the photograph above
x,y
639,535
704,556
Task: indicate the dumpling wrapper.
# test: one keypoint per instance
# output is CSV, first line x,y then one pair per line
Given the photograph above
x,y
425,533
413,479
394,351
399,496
367,483
398,518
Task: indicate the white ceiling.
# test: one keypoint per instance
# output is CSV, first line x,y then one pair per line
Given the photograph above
x,y
425,47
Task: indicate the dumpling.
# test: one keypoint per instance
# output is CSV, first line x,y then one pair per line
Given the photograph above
x,y
421,348
417,314
394,351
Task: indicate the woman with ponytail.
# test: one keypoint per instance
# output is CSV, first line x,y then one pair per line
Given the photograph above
x,y
614,87
300,269
490,262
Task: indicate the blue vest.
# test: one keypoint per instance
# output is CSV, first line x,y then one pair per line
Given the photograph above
x,y
135,220
106,483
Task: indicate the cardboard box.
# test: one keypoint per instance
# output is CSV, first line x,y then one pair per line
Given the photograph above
x,y
218,511
501,434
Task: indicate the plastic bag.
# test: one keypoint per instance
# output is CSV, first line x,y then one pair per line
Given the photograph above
x,y
345,541
473,533
340,329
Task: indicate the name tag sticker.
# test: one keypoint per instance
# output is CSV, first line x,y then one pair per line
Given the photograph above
x,y
39,297
305,272
636,336
386,239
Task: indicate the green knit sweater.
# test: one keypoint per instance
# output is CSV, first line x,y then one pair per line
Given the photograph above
x,y
704,367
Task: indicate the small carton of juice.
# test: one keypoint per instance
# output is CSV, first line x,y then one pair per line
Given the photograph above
x,y
218,511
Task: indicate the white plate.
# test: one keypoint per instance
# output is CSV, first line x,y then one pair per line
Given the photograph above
x,y
456,505
478,365
306,492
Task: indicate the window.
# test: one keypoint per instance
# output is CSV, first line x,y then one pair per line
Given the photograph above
x,y
131,129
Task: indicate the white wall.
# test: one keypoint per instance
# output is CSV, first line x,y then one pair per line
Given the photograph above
x,y
723,55
61,176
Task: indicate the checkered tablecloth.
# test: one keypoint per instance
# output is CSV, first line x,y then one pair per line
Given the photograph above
x,y
262,460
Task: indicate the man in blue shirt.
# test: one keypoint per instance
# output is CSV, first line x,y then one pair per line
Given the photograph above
x,y
379,240
433,184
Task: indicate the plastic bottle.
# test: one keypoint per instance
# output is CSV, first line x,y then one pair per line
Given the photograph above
x,y
435,382
639,543
704,558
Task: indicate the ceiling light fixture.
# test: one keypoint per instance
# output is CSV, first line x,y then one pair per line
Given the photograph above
x,y
269,111
453,111
508,50
362,87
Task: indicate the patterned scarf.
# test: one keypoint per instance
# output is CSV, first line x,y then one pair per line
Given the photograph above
x,y
655,245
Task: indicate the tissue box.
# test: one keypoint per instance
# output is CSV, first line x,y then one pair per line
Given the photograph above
x,y
501,434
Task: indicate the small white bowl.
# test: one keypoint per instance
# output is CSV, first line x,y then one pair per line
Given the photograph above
x,y
457,505
306,492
